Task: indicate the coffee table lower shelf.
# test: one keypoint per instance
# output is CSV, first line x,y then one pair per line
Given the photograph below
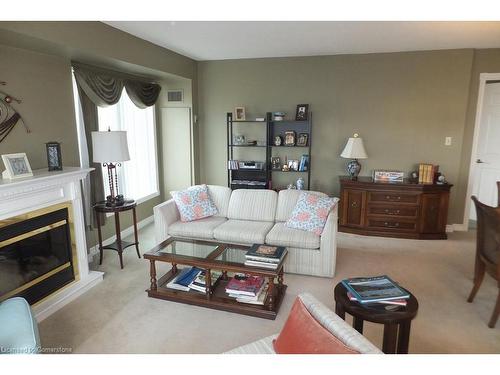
x,y
219,300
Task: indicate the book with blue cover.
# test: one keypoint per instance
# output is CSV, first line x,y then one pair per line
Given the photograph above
x,y
373,289
187,277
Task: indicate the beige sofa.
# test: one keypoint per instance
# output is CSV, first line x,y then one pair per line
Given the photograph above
x,y
328,319
247,216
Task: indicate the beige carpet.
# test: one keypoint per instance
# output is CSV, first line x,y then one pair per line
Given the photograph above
x,y
117,317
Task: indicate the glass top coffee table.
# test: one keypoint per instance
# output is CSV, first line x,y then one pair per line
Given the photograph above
x,y
210,256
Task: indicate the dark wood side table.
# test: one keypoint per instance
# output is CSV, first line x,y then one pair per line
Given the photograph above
x,y
119,245
396,323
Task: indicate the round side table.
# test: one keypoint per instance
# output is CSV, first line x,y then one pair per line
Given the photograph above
x,y
396,322
119,245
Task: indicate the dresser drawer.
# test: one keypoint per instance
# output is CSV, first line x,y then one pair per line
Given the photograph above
x,y
405,211
393,197
392,224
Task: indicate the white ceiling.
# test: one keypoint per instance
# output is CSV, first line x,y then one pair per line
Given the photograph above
x,y
213,40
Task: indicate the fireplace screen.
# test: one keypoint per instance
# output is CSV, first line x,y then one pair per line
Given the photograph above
x,y
35,256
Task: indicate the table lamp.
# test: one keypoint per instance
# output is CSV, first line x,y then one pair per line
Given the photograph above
x,y
354,150
110,148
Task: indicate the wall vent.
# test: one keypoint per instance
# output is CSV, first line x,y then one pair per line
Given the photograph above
x,y
175,96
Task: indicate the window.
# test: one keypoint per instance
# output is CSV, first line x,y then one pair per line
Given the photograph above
x,y
138,177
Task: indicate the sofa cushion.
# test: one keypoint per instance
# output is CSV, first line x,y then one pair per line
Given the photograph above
x,y
220,196
203,228
252,204
243,231
280,235
194,203
311,213
287,199
303,334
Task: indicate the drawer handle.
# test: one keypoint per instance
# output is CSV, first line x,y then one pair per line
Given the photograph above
x,y
396,225
396,212
354,204
388,197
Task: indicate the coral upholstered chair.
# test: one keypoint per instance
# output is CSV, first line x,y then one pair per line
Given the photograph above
x,y
488,250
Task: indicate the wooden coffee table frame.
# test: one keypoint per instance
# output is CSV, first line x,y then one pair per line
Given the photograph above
x,y
216,297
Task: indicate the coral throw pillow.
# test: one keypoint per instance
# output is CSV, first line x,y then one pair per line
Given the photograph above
x,y
310,213
302,334
194,203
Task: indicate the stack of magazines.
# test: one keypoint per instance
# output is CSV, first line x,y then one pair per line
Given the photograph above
x,y
192,278
265,256
247,289
378,289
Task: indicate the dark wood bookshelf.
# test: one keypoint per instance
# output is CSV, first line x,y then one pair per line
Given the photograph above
x,y
272,128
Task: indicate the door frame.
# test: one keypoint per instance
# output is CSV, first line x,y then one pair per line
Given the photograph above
x,y
483,78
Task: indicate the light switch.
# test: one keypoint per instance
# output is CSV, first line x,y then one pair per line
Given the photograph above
x,y
447,141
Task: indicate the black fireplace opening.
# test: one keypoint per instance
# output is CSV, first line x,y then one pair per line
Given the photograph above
x,y
36,256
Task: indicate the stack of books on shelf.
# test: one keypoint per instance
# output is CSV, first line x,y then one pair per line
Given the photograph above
x,y
265,256
427,173
304,163
233,165
247,289
192,278
375,290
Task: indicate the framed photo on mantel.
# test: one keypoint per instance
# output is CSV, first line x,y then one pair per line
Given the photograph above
x,y
16,166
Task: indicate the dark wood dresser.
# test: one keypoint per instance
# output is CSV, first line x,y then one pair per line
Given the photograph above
x,y
393,209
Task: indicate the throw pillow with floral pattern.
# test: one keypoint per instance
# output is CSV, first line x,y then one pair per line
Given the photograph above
x,y
311,212
194,203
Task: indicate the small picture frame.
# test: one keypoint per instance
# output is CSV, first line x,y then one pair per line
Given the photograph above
x,y
388,176
293,165
302,139
302,112
275,163
239,113
278,140
290,138
54,158
16,166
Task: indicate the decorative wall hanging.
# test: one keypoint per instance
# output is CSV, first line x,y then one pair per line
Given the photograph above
x,y
9,117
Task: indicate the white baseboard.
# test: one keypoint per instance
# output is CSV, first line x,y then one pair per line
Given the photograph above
x,y
456,228
94,250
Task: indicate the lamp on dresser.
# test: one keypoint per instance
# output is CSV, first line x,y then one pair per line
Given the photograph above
x,y
354,149
111,148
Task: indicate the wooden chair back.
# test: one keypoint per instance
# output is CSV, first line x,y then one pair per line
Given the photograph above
x,y
488,233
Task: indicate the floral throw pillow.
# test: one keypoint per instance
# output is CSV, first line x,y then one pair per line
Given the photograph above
x,y
194,203
310,213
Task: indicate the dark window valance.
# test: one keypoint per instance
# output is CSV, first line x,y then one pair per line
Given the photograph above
x,y
104,87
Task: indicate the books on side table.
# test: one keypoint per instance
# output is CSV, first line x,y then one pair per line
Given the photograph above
x,y
378,289
265,256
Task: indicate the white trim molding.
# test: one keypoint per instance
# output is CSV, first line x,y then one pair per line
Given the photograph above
x,y
483,78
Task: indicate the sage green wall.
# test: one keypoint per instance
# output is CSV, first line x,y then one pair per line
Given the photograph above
x,y
35,60
403,105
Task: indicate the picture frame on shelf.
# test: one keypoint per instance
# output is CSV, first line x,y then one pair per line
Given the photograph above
x,y
239,113
278,141
302,112
293,165
388,176
303,139
275,163
290,138
16,166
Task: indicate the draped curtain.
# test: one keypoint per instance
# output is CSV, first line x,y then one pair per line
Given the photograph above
x,y
101,88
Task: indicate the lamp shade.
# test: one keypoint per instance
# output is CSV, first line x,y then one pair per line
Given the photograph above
x,y
110,146
354,149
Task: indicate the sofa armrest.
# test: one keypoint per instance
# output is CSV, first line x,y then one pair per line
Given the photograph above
x,y
165,214
328,241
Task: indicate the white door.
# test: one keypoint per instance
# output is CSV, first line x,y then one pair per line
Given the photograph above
x,y
176,149
487,168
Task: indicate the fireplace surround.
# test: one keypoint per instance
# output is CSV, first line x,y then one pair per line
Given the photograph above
x,y
52,203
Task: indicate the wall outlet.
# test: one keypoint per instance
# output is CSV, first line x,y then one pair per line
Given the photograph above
x,y
447,141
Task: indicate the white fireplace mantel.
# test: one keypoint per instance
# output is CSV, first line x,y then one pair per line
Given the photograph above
x,y
45,189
